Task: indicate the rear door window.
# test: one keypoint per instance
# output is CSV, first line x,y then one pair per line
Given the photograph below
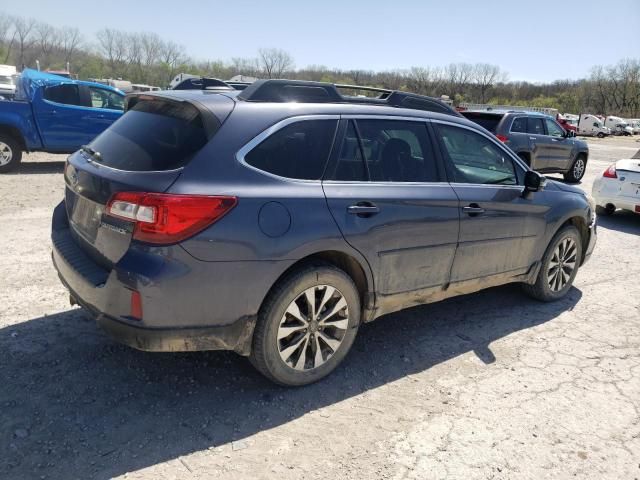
x,y
519,125
535,126
66,94
397,151
153,135
300,150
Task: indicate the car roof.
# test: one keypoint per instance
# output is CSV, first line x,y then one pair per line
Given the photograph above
x,y
212,98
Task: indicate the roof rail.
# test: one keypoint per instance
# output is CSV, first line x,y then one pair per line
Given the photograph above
x,y
280,91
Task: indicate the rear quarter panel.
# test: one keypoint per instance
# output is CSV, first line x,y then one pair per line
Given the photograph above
x,y
19,115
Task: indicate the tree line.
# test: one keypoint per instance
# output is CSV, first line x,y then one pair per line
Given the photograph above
x,y
143,57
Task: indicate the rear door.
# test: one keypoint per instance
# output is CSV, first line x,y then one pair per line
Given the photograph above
x,y
388,196
561,146
499,229
539,143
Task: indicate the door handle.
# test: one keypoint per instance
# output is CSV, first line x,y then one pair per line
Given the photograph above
x,y
473,210
363,209
532,138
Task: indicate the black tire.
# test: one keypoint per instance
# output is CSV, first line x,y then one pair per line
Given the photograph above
x,y
600,135
577,170
541,290
606,210
10,153
265,354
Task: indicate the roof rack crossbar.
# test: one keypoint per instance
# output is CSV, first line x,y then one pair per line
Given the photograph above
x,y
281,91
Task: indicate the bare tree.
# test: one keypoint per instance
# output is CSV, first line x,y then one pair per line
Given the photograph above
x,y
24,36
47,40
457,76
70,42
484,76
245,66
113,46
274,62
7,34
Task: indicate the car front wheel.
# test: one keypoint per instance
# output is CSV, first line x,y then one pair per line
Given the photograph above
x,y
306,326
559,266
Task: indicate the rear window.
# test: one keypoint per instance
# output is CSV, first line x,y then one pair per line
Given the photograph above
x,y
153,135
67,94
299,150
489,121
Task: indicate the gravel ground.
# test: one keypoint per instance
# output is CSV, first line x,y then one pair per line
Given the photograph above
x,y
488,386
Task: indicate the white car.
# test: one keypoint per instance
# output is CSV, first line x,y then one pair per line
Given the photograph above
x,y
618,187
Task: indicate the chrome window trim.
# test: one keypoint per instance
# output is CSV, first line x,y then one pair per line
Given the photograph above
x,y
364,116
258,139
511,155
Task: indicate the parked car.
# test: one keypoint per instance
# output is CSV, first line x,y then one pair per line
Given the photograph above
x,y
54,114
592,126
275,229
538,140
634,123
618,126
618,187
569,124
8,75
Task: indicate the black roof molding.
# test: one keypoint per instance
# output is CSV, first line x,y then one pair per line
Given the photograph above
x,y
281,91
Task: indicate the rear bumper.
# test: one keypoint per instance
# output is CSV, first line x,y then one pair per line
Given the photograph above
x,y
187,304
625,203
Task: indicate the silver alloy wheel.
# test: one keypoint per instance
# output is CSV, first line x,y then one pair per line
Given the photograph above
x,y
313,327
562,264
578,168
6,154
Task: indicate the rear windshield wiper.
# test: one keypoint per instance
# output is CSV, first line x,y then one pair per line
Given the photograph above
x,y
94,154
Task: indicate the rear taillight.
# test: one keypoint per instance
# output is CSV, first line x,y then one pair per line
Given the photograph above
x,y
502,138
610,172
163,219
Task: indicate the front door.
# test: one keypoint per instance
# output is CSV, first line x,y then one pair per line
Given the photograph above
x,y
499,228
539,143
387,196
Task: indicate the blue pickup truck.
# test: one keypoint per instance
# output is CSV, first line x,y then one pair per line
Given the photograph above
x,y
54,114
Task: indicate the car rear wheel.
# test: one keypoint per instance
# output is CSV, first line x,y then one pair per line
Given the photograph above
x,y
600,135
575,174
10,153
559,266
306,326
608,209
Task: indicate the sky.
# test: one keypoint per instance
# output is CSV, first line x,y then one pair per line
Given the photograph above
x,y
538,41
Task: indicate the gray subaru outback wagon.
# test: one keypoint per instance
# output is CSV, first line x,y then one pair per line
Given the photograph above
x,y
275,221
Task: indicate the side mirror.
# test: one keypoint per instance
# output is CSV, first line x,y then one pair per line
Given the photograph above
x,y
533,181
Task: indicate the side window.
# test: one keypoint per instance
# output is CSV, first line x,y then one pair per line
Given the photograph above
x,y
519,125
102,98
553,128
535,126
66,93
350,166
299,150
397,151
475,159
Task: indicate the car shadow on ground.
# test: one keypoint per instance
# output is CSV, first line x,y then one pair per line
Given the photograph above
x,y
38,167
621,221
73,404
